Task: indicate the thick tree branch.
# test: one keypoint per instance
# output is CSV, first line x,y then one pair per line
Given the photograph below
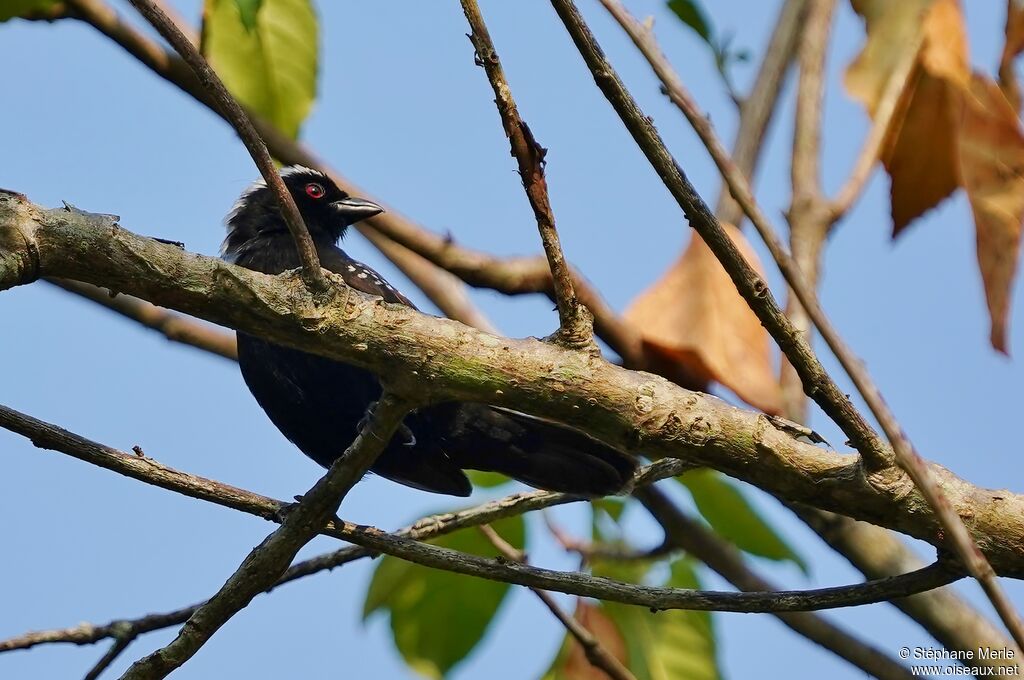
x,y
695,538
239,120
576,323
442,359
817,382
269,560
435,557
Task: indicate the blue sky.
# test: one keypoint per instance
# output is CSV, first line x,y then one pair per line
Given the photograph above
x,y
406,114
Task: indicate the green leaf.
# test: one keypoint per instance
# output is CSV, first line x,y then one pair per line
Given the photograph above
x,y
611,506
437,617
272,67
658,646
731,515
247,10
487,480
11,9
605,514
692,14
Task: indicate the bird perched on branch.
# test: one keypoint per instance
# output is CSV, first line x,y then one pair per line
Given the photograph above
x,y
319,403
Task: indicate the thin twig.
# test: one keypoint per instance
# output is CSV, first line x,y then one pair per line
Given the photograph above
x,y
239,120
269,560
576,327
759,107
878,553
342,474
116,649
817,382
590,551
596,654
808,215
270,509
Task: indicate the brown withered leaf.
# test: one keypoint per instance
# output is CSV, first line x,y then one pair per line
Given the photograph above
x,y
576,665
920,151
1013,46
991,159
694,316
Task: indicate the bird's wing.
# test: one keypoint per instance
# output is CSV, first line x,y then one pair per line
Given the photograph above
x,y
361,277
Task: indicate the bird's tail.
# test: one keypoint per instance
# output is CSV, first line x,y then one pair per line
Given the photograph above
x,y
538,452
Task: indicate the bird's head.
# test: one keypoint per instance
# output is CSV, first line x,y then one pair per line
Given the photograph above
x,y
326,209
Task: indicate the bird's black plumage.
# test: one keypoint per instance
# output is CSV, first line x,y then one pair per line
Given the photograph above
x,y
318,403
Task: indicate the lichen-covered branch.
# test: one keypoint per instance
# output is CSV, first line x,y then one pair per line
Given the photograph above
x,y
442,359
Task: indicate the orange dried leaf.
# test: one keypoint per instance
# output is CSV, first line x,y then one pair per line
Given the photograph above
x,y
694,316
944,53
991,160
919,152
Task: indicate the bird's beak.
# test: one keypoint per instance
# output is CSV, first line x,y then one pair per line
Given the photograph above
x,y
353,209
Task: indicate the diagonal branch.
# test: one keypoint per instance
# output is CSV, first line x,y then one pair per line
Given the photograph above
x,y
172,326
116,649
748,282
233,113
267,561
882,116
819,384
575,322
873,550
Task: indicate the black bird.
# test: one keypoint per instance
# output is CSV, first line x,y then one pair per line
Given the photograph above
x,y
318,403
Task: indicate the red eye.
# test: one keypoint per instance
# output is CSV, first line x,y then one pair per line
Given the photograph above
x,y
314,190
